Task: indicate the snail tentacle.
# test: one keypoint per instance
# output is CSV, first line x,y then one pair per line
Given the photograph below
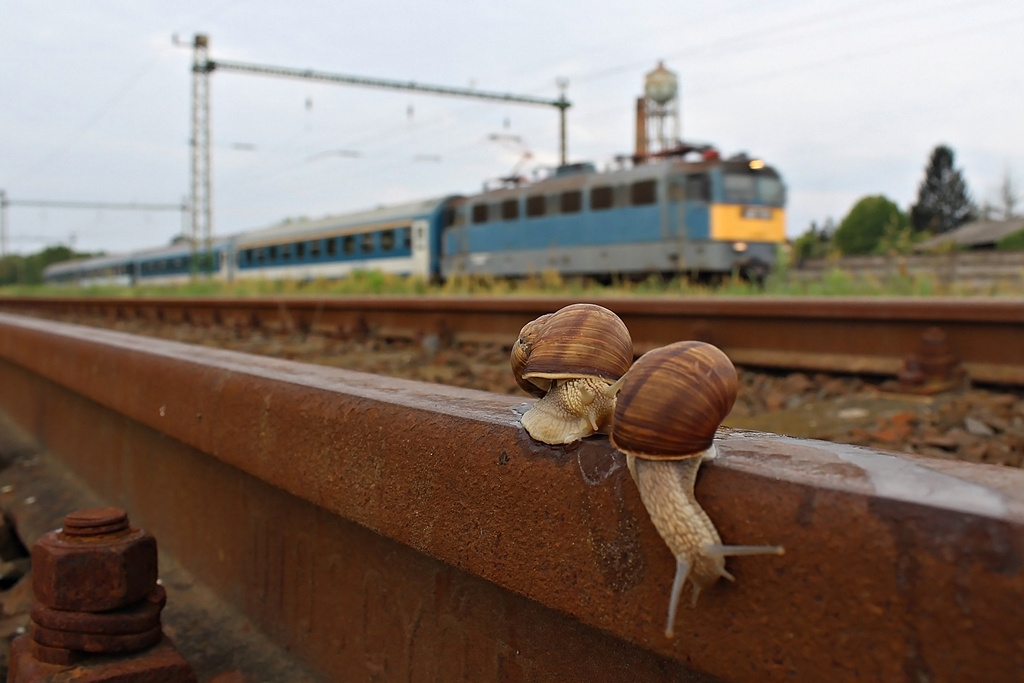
x,y
682,570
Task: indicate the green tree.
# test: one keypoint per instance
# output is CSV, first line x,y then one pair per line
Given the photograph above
x,y
943,202
868,220
28,270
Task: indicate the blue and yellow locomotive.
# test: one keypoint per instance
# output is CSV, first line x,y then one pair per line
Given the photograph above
x,y
669,217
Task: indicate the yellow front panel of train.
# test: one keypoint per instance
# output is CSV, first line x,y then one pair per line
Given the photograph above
x,y
740,223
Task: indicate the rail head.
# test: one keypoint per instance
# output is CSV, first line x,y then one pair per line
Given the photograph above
x,y
894,565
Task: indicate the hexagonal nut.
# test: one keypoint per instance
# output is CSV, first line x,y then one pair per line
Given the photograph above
x,y
94,574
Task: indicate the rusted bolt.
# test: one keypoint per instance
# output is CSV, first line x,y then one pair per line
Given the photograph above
x,y
138,618
934,368
96,594
97,562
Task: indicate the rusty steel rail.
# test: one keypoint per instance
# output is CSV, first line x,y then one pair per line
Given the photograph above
x,y
378,527
856,335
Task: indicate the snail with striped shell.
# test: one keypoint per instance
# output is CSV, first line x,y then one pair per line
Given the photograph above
x,y
670,404
572,359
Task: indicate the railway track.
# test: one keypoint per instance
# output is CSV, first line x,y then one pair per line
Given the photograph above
x,y
377,527
852,335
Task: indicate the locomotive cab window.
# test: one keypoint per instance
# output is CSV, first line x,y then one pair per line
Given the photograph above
x,y
770,190
643,192
571,201
602,197
740,188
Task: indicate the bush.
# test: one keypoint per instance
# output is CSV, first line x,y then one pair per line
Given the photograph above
x,y
868,220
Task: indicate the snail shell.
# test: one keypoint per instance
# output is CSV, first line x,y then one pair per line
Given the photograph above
x,y
580,340
672,401
521,352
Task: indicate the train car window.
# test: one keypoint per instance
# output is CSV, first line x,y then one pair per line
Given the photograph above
x,y
536,205
479,213
407,239
739,188
602,197
366,243
300,250
332,246
387,240
272,256
314,249
286,252
571,201
458,217
348,244
510,209
643,192
698,187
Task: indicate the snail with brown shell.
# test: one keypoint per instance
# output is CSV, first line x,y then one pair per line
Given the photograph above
x,y
572,358
670,404
521,352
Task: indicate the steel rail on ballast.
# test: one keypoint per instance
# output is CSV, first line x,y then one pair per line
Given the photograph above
x,y
379,527
866,335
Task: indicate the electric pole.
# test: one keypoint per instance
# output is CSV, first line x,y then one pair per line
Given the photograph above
x,y
202,66
201,204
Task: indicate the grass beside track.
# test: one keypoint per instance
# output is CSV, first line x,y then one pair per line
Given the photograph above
x,y
835,282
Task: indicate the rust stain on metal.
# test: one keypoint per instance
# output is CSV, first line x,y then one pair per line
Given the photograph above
x,y
895,567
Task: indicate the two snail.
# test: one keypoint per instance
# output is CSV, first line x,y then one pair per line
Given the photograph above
x,y
662,411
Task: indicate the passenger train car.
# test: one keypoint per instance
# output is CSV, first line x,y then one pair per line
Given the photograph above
x,y
668,216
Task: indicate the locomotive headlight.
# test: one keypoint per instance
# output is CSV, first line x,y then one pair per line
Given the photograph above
x,y
756,164
739,247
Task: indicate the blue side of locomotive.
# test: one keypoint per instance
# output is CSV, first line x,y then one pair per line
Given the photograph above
x,y
663,217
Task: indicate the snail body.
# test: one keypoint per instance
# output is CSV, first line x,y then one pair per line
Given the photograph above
x,y
669,407
576,356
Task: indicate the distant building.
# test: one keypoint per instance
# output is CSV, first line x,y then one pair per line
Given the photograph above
x,y
977,235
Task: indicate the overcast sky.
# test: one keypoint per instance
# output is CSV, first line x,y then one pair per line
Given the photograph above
x,y
845,98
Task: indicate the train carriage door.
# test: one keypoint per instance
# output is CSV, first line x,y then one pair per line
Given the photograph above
x,y
696,216
420,247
